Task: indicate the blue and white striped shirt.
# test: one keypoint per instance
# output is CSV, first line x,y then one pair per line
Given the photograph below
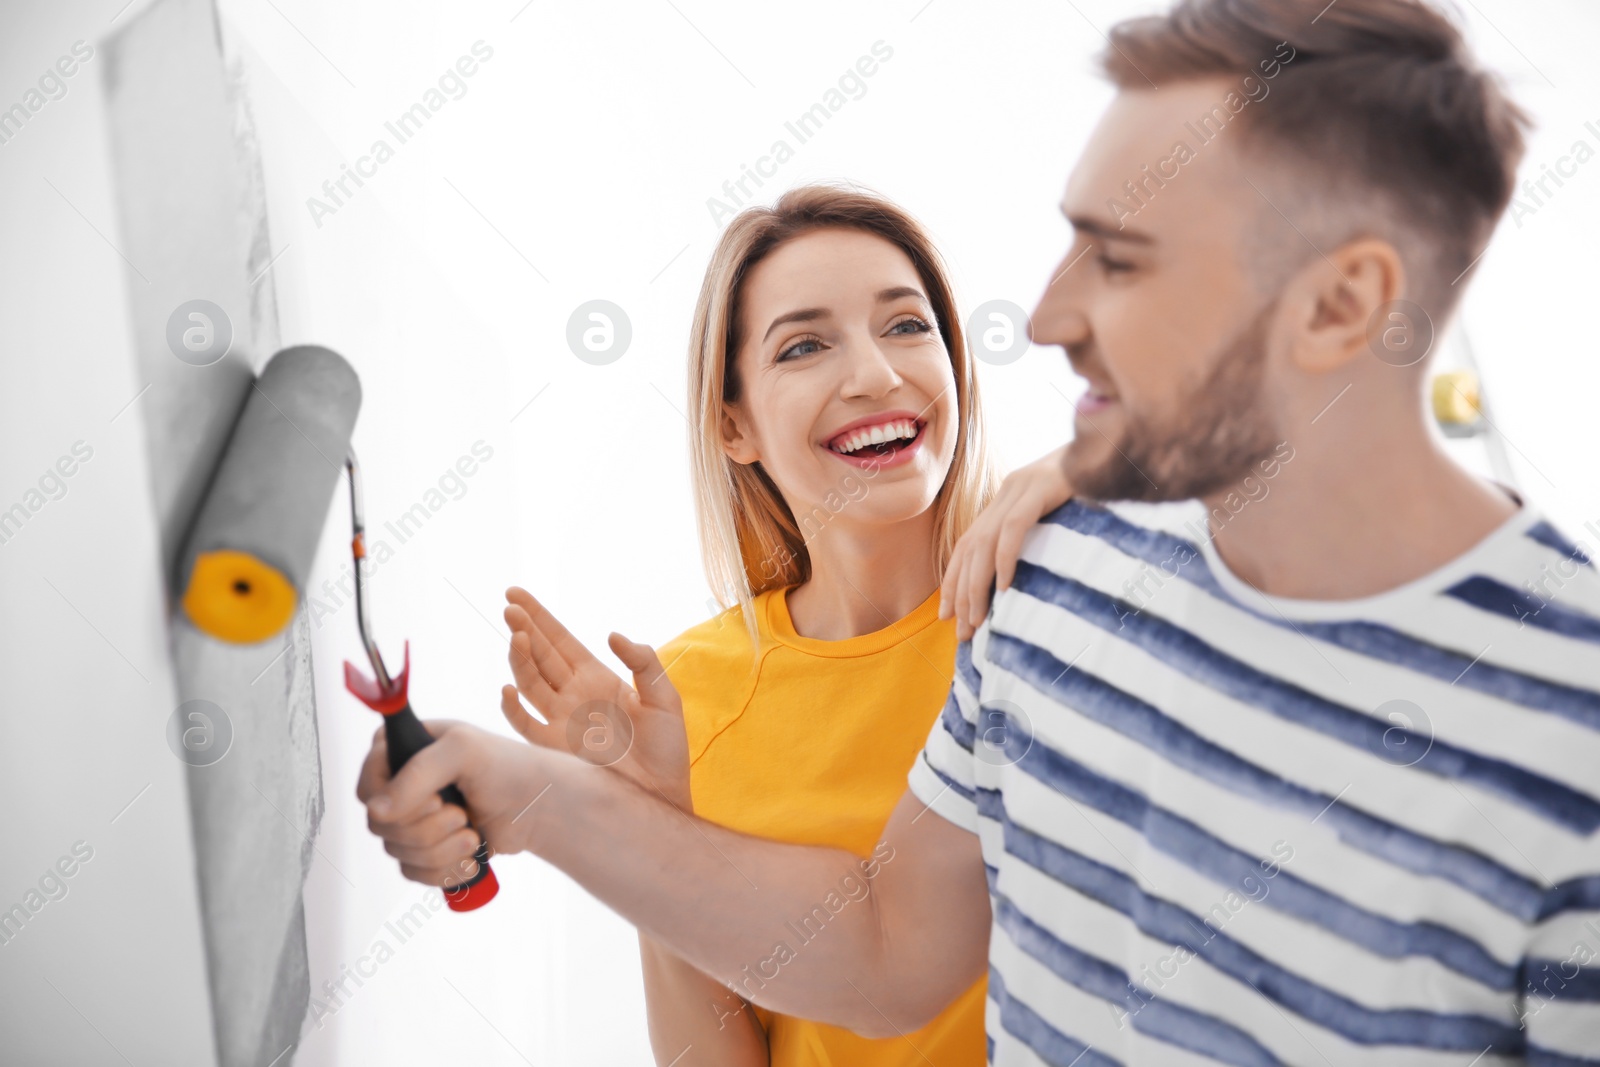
x,y
1222,827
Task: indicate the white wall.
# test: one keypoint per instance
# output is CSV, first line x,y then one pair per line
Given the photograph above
x,y
114,969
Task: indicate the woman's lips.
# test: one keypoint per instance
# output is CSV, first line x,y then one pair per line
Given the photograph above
x,y
879,457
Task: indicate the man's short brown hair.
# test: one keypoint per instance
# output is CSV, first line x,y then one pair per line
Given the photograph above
x,y
1382,107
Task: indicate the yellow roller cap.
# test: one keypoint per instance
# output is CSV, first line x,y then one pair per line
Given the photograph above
x,y
1456,401
233,596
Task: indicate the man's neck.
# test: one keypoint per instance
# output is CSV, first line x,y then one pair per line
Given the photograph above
x,y
1341,524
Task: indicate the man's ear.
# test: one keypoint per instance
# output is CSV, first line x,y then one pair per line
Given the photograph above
x,y
1339,296
737,442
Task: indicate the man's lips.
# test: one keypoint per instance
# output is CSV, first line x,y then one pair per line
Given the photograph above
x,y
1094,402
1097,396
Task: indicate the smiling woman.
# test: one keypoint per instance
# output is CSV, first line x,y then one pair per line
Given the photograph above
x,y
838,453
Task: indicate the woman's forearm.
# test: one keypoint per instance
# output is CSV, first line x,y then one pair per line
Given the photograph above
x,y
690,1010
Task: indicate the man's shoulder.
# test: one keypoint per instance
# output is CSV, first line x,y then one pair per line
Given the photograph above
x,y
1084,554
1545,548
1538,575
1082,532
1171,517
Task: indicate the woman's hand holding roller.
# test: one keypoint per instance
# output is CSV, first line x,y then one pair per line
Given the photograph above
x,y
635,730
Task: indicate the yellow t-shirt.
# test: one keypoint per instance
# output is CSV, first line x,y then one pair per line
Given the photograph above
x,y
813,747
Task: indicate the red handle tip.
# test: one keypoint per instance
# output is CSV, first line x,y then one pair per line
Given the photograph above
x,y
476,895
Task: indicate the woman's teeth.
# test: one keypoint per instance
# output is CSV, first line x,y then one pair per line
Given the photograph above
x,y
905,429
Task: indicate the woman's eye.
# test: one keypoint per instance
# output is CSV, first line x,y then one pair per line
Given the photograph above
x,y
917,326
803,347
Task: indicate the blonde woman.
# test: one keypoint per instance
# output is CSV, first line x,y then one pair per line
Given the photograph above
x,y
838,455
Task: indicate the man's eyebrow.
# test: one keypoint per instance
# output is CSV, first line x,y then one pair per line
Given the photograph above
x,y
1105,231
813,314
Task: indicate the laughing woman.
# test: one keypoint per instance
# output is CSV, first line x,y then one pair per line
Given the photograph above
x,y
838,455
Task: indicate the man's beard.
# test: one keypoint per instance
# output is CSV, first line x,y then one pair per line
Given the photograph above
x,y
1221,432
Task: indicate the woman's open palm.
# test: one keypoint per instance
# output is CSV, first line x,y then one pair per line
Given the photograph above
x,y
635,730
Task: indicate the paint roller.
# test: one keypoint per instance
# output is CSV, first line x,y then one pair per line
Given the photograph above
x,y
250,552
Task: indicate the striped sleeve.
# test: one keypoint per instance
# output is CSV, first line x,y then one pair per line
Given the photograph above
x,y
1560,1007
942,776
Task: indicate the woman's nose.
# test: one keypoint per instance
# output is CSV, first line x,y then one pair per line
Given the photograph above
x,y
870,372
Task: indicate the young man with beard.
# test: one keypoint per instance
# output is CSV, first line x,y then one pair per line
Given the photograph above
x,y
1325,791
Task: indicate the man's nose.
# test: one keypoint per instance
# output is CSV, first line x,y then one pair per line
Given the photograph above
x,y
1058,318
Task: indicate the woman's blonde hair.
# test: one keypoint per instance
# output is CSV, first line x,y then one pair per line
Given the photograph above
x,y
749,539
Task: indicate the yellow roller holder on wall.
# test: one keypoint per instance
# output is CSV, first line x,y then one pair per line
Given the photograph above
x,y
236,597
1457,398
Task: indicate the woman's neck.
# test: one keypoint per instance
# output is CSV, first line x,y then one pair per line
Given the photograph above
x,y
864,577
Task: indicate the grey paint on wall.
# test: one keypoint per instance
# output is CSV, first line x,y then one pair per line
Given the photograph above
x,y
193,216
188,180
255,812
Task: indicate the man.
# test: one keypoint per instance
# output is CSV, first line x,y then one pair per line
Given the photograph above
x,y
1303,773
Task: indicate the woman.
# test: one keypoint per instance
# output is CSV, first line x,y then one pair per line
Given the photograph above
x,y
838,456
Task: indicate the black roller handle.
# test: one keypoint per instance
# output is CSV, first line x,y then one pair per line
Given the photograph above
x,y
406,736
